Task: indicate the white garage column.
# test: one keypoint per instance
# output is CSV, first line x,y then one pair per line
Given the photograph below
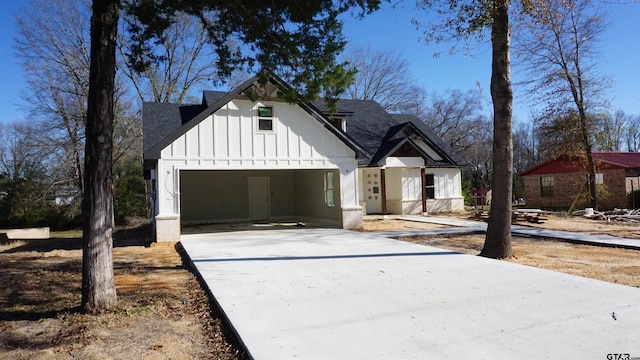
x,y
168,203
349,202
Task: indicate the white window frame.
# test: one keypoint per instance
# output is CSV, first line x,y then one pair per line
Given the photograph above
x,y
271,118
599,178
432,186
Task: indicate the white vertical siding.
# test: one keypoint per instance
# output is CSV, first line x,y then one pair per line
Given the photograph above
x,y
411,184
229,139
447,183
393,179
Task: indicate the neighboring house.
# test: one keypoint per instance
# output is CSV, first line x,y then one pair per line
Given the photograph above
x,y
235,159
562,182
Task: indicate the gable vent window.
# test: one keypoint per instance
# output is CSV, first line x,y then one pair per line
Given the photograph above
x,y
265,118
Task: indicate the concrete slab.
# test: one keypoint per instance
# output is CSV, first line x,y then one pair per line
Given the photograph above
x,y
335,294
469,226
578,237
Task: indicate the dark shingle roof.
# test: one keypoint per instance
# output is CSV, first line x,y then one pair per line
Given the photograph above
x,y
370,128
376,130
159,120
163,123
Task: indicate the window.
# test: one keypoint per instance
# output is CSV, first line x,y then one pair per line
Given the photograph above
x,y
430,186
265,118
339,122
599,179
329,192
546,186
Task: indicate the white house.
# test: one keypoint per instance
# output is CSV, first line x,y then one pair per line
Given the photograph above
x,y
235,158
411,170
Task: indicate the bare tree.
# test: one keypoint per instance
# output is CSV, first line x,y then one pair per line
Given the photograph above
x,y
611,130
53,47
24,185
480,156
456,116
187,59
383,76
631,132
558,52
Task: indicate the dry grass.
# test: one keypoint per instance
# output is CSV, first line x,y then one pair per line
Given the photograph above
x,y
621,266
162,311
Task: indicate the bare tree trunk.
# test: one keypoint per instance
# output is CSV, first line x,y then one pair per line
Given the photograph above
x,y
591,165
98,285
498,240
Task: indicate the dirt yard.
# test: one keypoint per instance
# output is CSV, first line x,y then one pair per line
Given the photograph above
x,y
162,312
614,265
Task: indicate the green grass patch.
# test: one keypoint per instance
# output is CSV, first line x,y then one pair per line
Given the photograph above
x,y
67,234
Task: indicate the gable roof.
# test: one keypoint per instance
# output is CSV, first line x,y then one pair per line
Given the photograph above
x,y
380,133
565,163
164,123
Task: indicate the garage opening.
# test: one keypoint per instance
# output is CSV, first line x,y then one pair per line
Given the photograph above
x,y
260,196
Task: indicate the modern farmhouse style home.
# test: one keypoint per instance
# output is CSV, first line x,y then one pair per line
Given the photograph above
x,y
250,156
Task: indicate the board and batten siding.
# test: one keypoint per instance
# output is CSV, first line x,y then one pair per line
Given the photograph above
x,y
229,139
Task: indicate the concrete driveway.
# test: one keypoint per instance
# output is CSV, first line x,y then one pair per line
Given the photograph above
x,y
337,294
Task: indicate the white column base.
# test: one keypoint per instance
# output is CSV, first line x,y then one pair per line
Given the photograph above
x,y
167,228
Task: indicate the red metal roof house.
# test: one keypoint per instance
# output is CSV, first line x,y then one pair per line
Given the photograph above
x,y
562,182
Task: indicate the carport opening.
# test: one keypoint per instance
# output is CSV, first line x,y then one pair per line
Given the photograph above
x,y
258,199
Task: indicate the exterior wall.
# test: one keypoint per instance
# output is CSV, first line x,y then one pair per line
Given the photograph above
x,y
616,194
404,190
229,140
632,183
309,199
567,187
393,178
436,206
223,196
448,182
448,191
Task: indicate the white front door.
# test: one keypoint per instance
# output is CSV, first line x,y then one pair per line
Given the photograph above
x,y
259,198
372,190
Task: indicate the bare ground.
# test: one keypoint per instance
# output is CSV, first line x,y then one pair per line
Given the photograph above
x,y
162,311
614,265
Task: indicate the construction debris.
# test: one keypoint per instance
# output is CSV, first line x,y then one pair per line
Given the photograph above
x,y
627,215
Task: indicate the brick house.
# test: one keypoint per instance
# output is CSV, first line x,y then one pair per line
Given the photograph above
x,y
562,182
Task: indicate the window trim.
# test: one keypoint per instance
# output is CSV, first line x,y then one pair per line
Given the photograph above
x,y
430,188
261,118
329,189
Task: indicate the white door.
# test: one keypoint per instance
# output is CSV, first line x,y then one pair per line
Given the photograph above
x,y
259,198
372,190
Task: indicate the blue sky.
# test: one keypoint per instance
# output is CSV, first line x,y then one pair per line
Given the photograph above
x,y
391,28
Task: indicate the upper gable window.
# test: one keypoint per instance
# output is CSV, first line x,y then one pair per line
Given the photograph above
x,y
265,118
339,122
